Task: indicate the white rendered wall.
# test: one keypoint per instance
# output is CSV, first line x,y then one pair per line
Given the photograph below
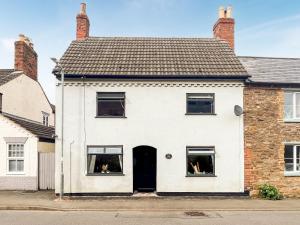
x,y
155,117
24,97
27,179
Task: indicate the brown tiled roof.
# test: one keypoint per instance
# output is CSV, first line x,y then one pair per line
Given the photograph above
x,y
272,70
193,57
34,127
7,75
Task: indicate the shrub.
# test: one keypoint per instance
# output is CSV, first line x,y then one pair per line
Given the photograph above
x,y
270,192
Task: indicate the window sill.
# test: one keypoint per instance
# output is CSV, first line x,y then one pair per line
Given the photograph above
x,y
292,121
15,174
120,117
202,175
105,174
292,174
200,114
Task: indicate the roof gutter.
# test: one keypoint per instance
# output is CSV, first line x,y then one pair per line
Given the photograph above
x,y
271,84
156,77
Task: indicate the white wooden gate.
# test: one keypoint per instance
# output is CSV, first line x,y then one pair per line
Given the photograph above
x,y
46,170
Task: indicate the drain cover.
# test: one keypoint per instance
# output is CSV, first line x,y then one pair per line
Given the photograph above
x,y
195,213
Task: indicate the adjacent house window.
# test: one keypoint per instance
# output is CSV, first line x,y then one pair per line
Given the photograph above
x,y
292,159
15,159
292,105
45,119
105,160
200,104
200,161
1,102
110,104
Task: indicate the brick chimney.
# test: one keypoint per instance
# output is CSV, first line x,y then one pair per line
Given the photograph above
x,y
83,23
224,27
26,57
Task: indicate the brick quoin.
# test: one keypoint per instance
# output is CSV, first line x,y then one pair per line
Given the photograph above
x,y
25,57
224,27
83,24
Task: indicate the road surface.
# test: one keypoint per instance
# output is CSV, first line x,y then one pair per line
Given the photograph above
x,y
149,218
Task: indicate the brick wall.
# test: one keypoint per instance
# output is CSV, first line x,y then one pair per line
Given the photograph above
x,y
224,30
26,59
265,134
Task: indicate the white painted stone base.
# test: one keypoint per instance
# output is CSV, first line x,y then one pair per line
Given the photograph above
x,y
18,183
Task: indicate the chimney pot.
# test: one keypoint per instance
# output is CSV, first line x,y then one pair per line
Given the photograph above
x,y
229,12
221,12
21,37
83,8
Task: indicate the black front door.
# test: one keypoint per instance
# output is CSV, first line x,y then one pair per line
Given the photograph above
x,y
144,169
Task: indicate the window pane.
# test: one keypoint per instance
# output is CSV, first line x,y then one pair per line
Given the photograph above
x,y
198,151
298,158
111,107
200,165
200,104
110,95
12,165
20,165
113,150
289,158
288,105
95,150
297,105
104,163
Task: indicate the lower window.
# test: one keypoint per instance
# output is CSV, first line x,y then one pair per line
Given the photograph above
x,y
15,158
292,159
200,161
105,160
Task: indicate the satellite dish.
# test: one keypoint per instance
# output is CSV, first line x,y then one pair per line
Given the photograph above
x,y
238,110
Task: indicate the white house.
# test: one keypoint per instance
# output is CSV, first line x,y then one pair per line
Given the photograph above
x,y
26,121
150,114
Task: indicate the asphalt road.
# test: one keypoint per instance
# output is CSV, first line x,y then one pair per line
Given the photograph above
x,y
149,218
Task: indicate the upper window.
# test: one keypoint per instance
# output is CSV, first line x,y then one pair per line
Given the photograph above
x,y
292,159
292,105
105,160
15,158
111,104
200,161
200,103
45,119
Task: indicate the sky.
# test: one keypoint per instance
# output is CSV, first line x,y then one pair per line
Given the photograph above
x,y
263,27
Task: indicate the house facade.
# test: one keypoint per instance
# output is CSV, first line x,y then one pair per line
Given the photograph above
x,y
151,114
272,124
26,121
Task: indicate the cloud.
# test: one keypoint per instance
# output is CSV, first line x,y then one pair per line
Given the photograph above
x,y
269,24
7,44
6,52
154,4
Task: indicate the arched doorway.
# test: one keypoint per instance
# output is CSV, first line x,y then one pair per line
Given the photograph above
x,y
144,169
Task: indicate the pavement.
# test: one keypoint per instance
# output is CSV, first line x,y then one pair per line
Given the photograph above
x,y
47,201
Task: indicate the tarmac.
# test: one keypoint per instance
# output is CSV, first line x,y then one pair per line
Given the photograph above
x,y
47,201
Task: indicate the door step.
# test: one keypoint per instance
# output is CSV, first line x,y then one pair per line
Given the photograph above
x,y
144,194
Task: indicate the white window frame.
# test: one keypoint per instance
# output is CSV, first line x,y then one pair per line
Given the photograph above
x,y
8,158
201,151
294,117
45,119
295,172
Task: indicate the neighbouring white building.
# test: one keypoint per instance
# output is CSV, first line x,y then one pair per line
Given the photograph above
x,y
26,122
151,114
